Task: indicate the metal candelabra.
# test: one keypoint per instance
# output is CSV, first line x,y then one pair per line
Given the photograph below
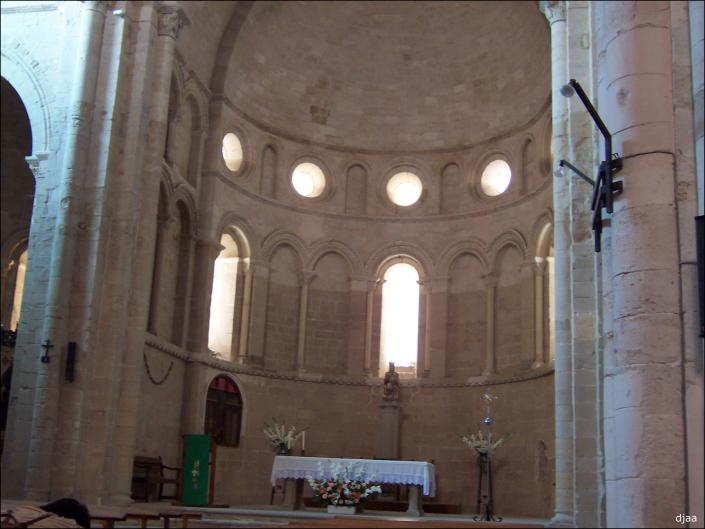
x,y
484,501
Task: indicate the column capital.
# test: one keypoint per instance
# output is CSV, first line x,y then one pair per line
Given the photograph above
x,y
171,20
553,10
539,265
37,164
491,279
306,276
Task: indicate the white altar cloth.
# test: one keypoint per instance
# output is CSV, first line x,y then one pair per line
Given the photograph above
x,y
384,471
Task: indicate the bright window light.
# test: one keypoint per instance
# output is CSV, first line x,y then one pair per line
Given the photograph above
x,y
495,178
220,329
404,189
400,316
232,152
308,180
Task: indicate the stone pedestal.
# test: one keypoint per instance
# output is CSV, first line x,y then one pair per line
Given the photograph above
x,y
389,430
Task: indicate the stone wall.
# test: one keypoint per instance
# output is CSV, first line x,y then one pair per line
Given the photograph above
x,y
344,421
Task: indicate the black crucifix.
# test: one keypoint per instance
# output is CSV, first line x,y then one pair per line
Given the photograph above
x,y
46,346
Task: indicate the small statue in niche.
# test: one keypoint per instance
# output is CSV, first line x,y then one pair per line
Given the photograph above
x,y
391,384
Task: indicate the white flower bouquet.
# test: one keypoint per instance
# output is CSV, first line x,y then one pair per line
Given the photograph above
x,y
482,444
343,486
281,439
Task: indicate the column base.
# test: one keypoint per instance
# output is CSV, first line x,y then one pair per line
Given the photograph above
x,y
561,520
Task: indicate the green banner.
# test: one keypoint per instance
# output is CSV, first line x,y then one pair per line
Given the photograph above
x,y
197,450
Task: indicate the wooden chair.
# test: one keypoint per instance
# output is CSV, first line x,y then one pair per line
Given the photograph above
x,y
149,471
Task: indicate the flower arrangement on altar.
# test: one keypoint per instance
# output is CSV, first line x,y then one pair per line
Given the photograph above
x,y
343,486
281,439
482,444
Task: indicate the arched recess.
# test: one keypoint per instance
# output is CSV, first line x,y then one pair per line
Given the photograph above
x,y
528,163
183,249
230,295
452,191
544,292
224,411
28,82
17,196
356,189
466,323
282,321
160,250
328,315
510,310
268,171
400,318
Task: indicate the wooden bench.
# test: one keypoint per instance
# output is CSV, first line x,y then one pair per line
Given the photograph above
x,y
148,472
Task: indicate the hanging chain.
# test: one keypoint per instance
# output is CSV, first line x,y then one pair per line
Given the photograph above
x,y
149,372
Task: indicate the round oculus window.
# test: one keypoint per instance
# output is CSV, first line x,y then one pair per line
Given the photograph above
x,y
495,178
404,189
308,180
232,152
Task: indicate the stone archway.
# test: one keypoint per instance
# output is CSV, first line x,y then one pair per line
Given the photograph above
x,y
17,196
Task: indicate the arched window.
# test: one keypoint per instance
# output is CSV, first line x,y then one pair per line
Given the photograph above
x,y
220,330
229,310
400,318
223,411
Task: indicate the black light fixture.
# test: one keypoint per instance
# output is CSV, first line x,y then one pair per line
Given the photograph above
x,y
604,188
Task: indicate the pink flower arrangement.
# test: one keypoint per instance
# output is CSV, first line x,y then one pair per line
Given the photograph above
x,y
342,486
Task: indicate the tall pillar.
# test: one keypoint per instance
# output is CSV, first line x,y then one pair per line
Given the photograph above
x,y
372,287
56,314
555,12
305,281
258,312
490,361
245,314
635,84
122,436
437,334
539,304
357,328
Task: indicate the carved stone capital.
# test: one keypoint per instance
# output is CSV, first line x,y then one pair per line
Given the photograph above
x,y
491,280
553,10
539,266
37,164
171,20
306,276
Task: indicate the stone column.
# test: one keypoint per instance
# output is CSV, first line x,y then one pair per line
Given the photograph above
x,y
437,327
357,328
237,311
162,235
305,279
258,312
245,313
122,437
491,285
56,315
369,314
539,304
555,12
26,364
635,83
390,423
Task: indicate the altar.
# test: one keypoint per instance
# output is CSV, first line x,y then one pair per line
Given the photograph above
x,y
418,475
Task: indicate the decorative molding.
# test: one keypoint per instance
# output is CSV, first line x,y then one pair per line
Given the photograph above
x,y
239,369
230,367
546,184
166,347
